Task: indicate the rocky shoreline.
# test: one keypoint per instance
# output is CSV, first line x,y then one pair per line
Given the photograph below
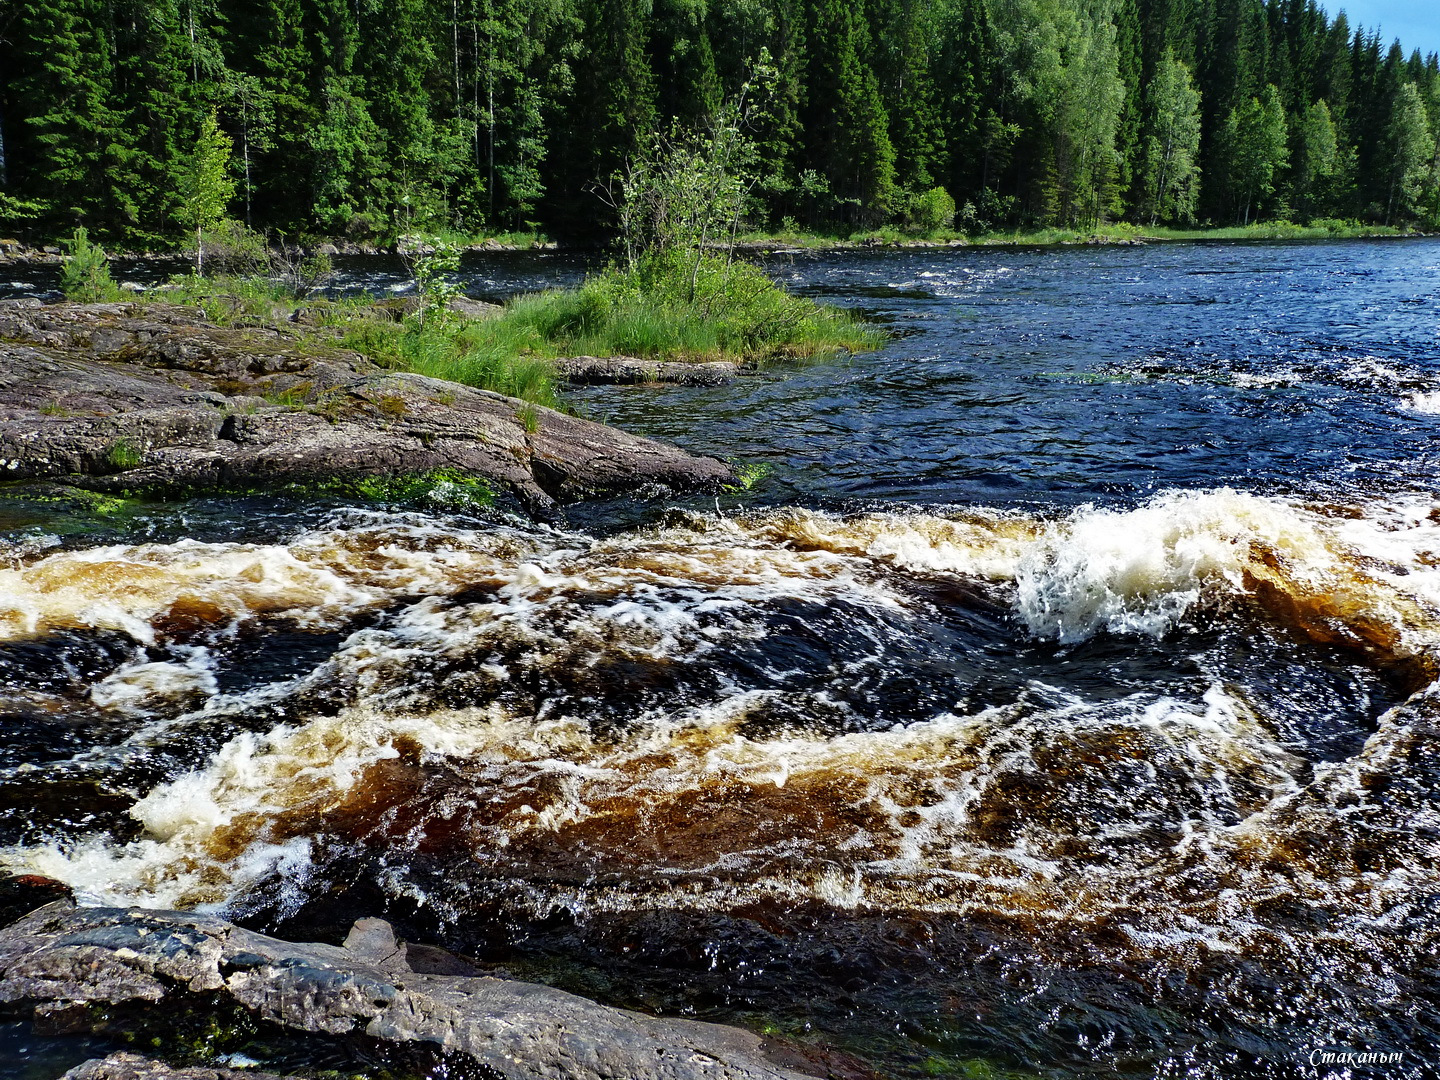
x,y
15,253
153,398
122,971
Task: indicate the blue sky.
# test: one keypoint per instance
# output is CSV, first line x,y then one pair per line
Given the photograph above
x,y
1415,22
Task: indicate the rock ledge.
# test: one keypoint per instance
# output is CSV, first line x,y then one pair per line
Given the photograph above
x,y
122,397
79,968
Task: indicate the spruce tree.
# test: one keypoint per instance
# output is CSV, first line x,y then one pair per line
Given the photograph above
x,y
846,129
71,145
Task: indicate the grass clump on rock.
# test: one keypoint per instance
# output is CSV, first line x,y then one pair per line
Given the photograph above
x,y
735,312
729,310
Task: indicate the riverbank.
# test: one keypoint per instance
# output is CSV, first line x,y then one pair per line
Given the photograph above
x,y
1119,234
127,398
52,251
12,252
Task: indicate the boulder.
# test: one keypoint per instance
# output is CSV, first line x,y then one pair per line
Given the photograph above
x,y
126,1066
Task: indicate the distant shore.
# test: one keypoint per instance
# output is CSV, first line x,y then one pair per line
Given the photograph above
x,y
13,252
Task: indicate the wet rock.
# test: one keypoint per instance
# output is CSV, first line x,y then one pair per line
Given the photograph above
x,y
119,397
23,893
629,370
64,961
126,1066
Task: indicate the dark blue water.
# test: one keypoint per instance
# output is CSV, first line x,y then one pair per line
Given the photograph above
x,y
1069,374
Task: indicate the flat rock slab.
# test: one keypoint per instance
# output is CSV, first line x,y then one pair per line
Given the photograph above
x,y
631,370
65,961
121,397
126,1066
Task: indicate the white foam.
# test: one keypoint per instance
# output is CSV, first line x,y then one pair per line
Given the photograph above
x,y
1141,571
1426,402
134,686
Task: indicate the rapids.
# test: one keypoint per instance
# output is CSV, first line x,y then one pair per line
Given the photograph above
x,y
1064,702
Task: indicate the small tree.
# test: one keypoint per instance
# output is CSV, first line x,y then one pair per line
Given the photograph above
x,y
431,262
206,184
688,189
86,276
932,211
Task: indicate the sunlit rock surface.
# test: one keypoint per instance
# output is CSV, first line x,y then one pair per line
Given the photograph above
x,y
114,397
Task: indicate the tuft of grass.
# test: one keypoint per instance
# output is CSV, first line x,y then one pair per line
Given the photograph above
x,y
391,405
124,454
733,312
529,418
54,408
292,397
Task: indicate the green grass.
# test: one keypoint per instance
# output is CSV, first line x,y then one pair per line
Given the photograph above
x,y
450,489
124,454
728,310
736,313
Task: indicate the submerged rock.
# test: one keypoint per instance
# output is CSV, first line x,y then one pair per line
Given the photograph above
x,y
82,968
122,397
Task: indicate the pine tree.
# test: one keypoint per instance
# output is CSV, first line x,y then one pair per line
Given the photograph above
x,y
963,78
846,128
610,111
904,71
69,145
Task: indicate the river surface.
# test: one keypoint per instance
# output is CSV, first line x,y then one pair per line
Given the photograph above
x,y
1061,703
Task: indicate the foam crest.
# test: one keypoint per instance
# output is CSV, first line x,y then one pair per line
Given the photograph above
x,y
319,579
1348,575
135,686
979,544
1426,402
926,811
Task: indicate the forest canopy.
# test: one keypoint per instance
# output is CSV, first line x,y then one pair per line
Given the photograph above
x,y
365,120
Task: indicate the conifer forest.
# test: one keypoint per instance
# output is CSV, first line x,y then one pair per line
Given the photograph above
x,y
360,119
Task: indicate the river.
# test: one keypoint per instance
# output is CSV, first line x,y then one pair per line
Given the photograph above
x,y
1062,702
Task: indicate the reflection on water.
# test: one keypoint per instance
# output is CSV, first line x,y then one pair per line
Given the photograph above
x,y
1077,752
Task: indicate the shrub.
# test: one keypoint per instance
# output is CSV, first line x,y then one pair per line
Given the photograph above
x,y
932,211
86,276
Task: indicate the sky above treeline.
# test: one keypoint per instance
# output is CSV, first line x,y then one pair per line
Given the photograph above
x,y
1415,22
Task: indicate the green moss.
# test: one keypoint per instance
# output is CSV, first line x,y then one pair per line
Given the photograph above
x,y
747,476
450,489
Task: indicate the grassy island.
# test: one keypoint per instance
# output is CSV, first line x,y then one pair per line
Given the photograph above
x,y
696,306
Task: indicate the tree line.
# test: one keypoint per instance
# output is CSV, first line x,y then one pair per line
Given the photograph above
x,y
365,119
